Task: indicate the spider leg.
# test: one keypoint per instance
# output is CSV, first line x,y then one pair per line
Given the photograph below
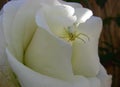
x,y
81,39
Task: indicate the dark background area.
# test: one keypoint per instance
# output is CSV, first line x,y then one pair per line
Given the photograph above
x,y
109,43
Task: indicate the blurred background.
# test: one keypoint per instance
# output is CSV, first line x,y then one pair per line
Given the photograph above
x,y
109,43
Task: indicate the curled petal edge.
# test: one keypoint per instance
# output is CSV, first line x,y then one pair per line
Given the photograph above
x,y
29,78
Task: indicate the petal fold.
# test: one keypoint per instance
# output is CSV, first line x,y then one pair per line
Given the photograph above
x,y
92,27
61,16
82,14
9,12
106,80
85,58
29,78
49,55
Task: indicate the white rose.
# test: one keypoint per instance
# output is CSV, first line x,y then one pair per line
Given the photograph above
x,y
53,44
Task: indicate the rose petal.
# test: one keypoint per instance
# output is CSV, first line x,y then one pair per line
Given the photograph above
x,y
80,81
49,55
61,17
24,27
50,2
60,53
91,27
10,10
23,24
41,21
94,82
2,44
85,58
6,75
29,78
106,80
83,14
85,55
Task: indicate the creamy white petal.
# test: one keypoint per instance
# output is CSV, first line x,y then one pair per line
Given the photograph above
x,y
85,55
73,4
106,80
41,21
9,12
92,27
94,82
85,58
30,78
49,55
24,27
83,14
50,2
81,81
58,10
6,75
2,44
60,18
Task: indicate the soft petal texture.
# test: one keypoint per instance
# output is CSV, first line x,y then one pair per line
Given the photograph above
x,y
6,75
10,10
61,17
82,14
19,23
85,58
19,12
94,82
50,2
57,50
41,21
30,78
24,27
80,81
106,80
92,27
2,45
48,55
